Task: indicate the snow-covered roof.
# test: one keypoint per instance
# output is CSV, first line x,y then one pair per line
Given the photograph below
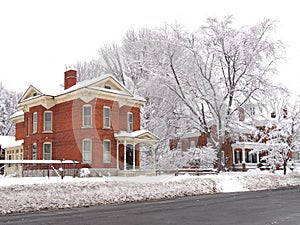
x,y
139,136
9,141
133,134
94,84
17,114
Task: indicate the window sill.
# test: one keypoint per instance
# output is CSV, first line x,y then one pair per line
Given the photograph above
x,y
107,128
47,131
85,127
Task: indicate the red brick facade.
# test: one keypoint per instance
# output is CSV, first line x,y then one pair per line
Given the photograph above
x,y
68,130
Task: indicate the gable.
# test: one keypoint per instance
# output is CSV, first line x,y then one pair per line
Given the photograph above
x,y
148,136
30,93
109,84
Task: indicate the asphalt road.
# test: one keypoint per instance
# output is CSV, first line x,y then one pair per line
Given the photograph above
x,y
256,208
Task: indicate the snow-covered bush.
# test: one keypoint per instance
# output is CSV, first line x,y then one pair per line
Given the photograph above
x,y
84,172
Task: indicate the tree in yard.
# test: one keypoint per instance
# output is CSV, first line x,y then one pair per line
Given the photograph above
x,y
196,80
219,68
8,105
278,130
294,116
202,158
277,145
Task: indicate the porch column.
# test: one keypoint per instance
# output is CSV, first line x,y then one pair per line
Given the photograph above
x,y
125,166
133,149
243,155
257,156
118,154
154,161
233,156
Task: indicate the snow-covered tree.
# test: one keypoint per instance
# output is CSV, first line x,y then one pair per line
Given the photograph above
x,y
275,128
219,68
8,105
195,80
202,158
294,116
276,137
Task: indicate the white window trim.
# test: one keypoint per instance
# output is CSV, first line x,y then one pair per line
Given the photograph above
x,y
83,116
34,123
45,121
109,121
91,150
50,149
107,161
129,123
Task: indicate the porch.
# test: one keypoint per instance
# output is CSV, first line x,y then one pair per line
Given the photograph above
x,y
247,155
127,150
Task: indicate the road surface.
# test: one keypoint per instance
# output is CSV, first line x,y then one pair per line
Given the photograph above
x,y
274,207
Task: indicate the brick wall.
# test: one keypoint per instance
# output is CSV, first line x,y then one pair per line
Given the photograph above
x,y
67,131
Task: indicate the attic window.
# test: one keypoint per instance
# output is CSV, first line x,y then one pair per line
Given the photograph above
x,y
34,94
273,115
107,86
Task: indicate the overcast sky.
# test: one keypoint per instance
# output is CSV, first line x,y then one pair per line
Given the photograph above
x,y
39,37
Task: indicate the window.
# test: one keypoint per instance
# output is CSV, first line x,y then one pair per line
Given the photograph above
x,y
106,152
254,158
129,122
47,121
106,117
179,145
47,151
107,86
223,158
87,116
34,122
247,157
28,126
237,156
34,151
192,144
87,151
296,156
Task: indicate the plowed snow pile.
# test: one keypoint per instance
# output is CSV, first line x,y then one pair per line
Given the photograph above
x,y
33,194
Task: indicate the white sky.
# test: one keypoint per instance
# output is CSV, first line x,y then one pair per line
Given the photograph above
x,y
38,38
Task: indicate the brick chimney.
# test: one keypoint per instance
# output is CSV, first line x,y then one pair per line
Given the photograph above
x,y
70,78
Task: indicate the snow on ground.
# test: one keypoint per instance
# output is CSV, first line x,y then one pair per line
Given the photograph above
x,y
42,193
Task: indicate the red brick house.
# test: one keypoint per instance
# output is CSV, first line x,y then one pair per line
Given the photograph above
x,y
95,122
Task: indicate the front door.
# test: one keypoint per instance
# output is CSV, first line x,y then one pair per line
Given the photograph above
x,y
129,156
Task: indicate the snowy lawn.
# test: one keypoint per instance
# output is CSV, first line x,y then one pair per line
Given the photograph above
x,y
41,193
